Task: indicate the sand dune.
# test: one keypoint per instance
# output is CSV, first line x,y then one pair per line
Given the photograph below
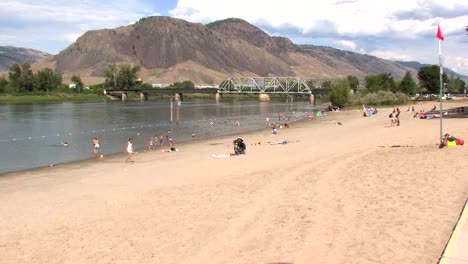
x,y
337,194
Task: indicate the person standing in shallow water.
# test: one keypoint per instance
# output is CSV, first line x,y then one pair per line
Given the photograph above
x,y
95,146
129,150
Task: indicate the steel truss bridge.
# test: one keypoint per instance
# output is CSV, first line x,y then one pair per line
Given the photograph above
x,y
270,85
237,85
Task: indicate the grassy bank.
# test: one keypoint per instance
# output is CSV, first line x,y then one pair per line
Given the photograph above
x,y
58,97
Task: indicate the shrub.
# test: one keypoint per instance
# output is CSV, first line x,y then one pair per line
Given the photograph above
x,y
339,94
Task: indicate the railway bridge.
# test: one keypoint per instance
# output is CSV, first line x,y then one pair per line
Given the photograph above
x,y
263,86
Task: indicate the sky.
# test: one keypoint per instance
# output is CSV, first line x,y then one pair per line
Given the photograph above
x,y
390,29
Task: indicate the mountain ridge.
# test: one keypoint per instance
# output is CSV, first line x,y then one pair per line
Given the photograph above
x,y
10,55
171,49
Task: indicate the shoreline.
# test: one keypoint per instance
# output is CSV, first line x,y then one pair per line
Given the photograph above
x,y
113,157
361,192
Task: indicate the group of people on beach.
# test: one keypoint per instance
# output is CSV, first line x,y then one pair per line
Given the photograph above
x,y
152,144
395,117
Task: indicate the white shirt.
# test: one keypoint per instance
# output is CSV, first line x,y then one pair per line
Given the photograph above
x,y
129,147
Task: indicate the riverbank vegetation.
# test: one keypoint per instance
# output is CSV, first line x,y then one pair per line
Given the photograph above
x,y
23,85
383,90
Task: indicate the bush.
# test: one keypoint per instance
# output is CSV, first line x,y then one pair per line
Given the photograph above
x,y
339,94
379,98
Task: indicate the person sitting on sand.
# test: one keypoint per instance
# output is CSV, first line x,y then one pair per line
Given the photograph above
x,y
366,111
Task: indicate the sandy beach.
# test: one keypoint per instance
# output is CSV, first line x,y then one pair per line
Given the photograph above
x,y
333,194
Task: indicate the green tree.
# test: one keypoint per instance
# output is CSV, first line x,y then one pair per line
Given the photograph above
x,y
46,80
3,85
27,80
339,94
188,84
127,76
429,78
21,78
78,83
455,84
372,83
184,84
14,78
327,84
124,76
387,83
110,75
383,81
408,85
353,82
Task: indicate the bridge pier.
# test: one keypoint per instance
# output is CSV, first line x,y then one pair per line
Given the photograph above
x,y
143,97
312,99
124,96
263,97
218,97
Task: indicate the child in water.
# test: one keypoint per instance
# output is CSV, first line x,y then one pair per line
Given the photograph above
x,y
96,146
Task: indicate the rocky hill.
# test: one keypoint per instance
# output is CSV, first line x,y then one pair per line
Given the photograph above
x,y
170,49
10,55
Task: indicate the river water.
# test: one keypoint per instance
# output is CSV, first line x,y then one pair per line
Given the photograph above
x,y
31,135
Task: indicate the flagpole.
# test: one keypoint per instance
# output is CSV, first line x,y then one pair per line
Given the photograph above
x,y
440,90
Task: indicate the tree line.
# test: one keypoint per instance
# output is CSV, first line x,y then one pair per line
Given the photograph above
x,y
383,89
22,80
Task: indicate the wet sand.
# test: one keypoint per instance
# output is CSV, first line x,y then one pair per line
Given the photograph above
x,y
360,192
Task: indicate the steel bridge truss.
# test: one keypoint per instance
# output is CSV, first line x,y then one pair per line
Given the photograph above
x,y
270,85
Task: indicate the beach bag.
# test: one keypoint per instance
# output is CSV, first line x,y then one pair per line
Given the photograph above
x,y
460,142
451,143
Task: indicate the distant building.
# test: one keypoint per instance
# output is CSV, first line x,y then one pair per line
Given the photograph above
x,y
72,85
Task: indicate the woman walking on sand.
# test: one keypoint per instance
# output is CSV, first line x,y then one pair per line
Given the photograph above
x,y
129,151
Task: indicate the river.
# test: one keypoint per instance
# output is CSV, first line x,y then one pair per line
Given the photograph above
x,y
31,135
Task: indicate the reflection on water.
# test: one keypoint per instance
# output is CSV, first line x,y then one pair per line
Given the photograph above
x,y
31,134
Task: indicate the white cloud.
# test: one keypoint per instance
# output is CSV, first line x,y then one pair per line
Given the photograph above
x,y
72,37
391,55
458,63
391,29
35,22
347,44
350,17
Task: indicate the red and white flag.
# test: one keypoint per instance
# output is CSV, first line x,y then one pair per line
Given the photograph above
x,y
439,34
